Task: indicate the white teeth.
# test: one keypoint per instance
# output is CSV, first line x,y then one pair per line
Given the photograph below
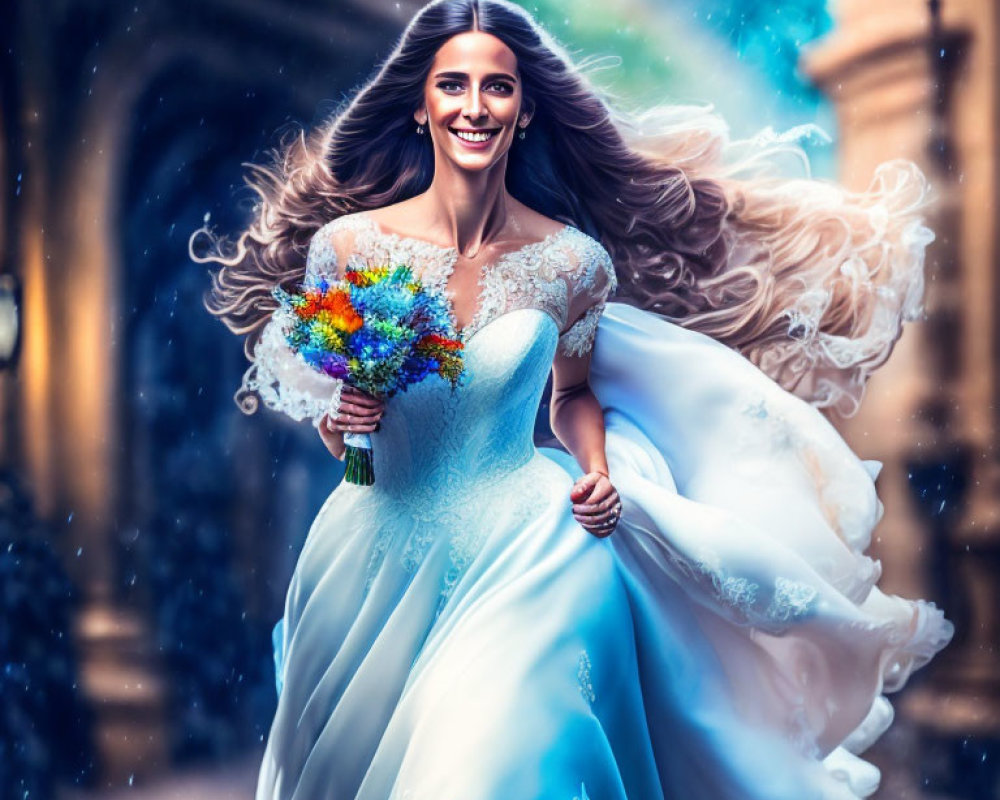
x,y
473,137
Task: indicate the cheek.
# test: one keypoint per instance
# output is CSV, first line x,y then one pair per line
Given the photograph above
x,y
510,105
436,107
437,100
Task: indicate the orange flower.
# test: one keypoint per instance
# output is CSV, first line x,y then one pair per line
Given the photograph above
x,y
334,298
342,315
309,307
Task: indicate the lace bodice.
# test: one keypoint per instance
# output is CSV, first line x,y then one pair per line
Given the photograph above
x,y
568,275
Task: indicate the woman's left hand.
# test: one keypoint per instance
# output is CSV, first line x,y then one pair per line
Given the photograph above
x,y
596,504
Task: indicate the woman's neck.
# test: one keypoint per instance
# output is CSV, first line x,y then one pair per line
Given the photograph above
x,y
469,209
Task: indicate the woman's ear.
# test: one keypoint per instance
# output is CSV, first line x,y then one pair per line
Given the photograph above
x,y
527,111
420,115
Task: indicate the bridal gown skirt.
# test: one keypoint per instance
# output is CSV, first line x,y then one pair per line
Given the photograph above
x,y
469,640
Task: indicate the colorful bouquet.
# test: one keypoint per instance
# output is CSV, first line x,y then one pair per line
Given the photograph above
x,y
379,329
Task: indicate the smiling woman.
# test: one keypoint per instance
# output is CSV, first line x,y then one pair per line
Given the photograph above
x,y
479,109
679,603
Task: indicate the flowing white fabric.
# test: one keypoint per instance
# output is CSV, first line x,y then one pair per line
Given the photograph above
x,y
451,633
748,499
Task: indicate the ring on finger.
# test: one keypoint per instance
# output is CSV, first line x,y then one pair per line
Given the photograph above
x,y
353,419
597,508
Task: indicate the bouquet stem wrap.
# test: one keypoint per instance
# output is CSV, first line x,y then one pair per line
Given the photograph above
x,y
358,459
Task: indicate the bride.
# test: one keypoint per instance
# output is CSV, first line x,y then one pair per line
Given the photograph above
x,y
676,605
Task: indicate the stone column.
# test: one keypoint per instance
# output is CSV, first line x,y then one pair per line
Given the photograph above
x,y
68,441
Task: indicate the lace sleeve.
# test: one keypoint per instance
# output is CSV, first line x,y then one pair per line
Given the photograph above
x,y
281,378
322,259
594,282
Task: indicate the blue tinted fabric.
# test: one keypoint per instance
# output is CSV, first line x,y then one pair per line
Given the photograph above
x,y
452,633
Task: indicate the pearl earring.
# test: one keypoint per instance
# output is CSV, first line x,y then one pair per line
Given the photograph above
x,y
420,128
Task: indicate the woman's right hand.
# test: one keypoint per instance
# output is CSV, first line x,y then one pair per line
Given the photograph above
x,y
359,412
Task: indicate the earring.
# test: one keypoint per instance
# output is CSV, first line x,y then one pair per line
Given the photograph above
x,y
420,128
520,134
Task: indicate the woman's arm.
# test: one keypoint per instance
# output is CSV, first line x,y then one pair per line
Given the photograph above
x,y
575,415
577,421
332,438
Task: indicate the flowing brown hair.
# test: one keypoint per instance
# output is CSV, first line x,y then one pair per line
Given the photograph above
x,y
808,280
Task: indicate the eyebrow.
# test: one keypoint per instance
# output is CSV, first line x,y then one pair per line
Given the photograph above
x,y
485,77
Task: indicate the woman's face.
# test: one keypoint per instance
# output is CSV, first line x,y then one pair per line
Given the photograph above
x,y
472,100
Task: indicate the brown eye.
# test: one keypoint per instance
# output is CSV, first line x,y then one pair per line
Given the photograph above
x,y
444,84
504,87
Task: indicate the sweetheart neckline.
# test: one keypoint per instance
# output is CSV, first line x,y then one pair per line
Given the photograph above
x,y
498,317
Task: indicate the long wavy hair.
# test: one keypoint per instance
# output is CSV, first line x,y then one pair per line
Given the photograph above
x,y
808,280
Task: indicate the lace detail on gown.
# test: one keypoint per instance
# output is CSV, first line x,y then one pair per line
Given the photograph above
x,y
583,677
579,339
280,377
598,282
568,274
769,605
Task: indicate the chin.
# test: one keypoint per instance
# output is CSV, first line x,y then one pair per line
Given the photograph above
x,y
475,162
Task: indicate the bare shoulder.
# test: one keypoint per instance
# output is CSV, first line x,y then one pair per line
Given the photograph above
x,y
396,217
534,226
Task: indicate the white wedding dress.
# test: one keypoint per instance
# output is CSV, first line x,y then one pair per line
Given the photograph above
x,y
452,633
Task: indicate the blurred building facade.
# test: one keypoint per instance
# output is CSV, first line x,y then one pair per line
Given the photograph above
x,y
123,124
921,80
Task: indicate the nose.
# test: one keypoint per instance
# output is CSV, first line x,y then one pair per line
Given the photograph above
x,y
474,107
